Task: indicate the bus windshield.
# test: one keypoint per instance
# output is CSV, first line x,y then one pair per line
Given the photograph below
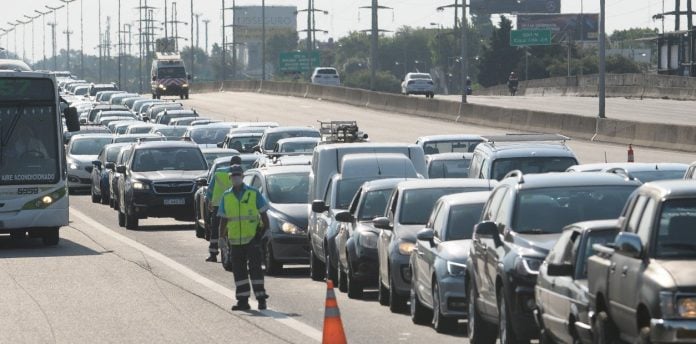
x,y
28,132
171,72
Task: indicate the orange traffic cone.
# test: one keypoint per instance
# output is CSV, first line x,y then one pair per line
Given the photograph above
x,y
631,157
333,327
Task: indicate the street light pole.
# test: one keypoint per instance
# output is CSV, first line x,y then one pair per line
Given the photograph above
x,y
263,39
43,24
602,59
464,49
67,31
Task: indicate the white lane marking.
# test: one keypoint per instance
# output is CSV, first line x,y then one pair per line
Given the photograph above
x,y
298,326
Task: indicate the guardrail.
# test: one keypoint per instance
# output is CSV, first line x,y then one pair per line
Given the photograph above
x,y
618,85
655,135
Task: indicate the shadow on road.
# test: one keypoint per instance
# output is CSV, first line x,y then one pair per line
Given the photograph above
x,y
166,228
34,248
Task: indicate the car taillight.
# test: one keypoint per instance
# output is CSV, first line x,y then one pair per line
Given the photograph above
x,y
411,82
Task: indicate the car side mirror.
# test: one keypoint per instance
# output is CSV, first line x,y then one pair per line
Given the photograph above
x,y
189,77
488,230
629,245
560,269
344,216
319,206
382,223
89,169
426,234
83,121
220,144
72,120
109,166
121,169
257,149
97,163
200,182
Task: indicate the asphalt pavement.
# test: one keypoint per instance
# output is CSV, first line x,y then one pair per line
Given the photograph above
x,y
106,284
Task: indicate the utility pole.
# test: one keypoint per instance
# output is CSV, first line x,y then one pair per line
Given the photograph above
x,y
464,49
602,58
100,42
67,31
166,32
224,43
234,43
175,26
690,35
206,22
24,39
198,29
53,44
43,24
121,52
263,40
82,39
311,24
120,44
193,51
33,47
374,41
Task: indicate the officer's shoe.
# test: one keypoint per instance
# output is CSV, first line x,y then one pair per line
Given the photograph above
x,y
262,304
212,258
241,306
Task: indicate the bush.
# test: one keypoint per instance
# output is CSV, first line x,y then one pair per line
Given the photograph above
x,y
385,81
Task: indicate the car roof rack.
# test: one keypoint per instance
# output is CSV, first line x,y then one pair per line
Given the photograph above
x,y
522,137
515,174
341,132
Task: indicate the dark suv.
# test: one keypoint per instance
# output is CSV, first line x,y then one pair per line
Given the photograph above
x,y
159,180
521,221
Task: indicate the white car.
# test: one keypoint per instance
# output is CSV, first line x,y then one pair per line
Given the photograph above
x,y
418,83
326,76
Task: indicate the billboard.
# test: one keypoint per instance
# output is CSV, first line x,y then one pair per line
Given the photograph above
x,y
248,21
563,26
515,6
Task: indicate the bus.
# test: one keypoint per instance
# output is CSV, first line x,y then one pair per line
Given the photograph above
x,y
33,177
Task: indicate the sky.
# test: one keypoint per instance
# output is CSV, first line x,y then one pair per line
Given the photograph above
x,y
343,16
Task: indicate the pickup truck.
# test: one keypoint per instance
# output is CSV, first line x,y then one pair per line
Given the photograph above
x,y
642,288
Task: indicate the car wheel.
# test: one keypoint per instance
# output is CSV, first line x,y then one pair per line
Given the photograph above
x,y
383,293
505,331
479,331
441,323
105,198
603,330
331,272
316,268
131,220
342,280
181,96
51,237
397,303
273,267
121,218
17,235
420,315
355,289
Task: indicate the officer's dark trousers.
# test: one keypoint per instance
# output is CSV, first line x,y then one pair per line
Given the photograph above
x,y
246,267
214,232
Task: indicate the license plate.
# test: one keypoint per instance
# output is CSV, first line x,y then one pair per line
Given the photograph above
x,y
174,201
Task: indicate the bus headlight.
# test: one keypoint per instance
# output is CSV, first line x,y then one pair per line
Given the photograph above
x,y
162,87
45,201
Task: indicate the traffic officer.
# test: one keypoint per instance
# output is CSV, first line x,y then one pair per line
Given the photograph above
x,y
220,183
240,210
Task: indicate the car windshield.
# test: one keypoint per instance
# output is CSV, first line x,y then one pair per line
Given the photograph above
x,y
461,221
595,237
449,169
528,165
298,147
417,204
346,191
373,204
112,153
171,133
139,130
81,91
458,146
287,188
89,146
421,76
209,136
273,138
94,90
171,72
677,235
651,176
162,159
244,144
565,205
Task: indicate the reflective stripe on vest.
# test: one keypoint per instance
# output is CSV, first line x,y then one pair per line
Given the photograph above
x,y
222,184
242,217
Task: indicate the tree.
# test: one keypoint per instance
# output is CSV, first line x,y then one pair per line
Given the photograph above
x,y
498,57
280,41
385,81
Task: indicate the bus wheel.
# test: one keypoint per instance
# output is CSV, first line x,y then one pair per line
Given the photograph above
x,y
50,237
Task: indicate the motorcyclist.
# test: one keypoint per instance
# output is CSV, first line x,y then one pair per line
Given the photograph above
x,y
513,83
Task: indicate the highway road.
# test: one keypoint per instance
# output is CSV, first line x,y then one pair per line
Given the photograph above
x,y
106,284
631,109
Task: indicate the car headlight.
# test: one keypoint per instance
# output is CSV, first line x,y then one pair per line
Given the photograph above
x,y
406,248
675,306
138,185
367,240
456,269
162,87
184,85
527,265
74,166
289,228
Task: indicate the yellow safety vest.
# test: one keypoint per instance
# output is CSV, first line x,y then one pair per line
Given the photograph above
x,y
222,184
242,217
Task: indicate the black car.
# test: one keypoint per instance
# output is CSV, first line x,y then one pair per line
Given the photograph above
x,y
287,190
562,296
159,180
100,172
521,221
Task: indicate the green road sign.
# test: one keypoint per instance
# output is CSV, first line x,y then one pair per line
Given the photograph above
x,y
527,37
298,61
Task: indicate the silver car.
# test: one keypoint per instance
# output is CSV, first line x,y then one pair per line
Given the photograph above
x,y
81,151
